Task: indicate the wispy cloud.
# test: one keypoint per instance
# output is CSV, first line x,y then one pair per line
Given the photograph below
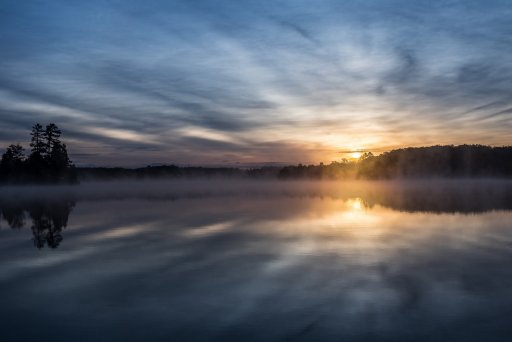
x,y
210,81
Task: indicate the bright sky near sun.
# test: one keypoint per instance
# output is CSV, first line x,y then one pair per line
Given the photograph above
x,y
226,82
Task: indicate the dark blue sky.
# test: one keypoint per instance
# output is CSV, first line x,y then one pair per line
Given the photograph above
x,y
221,82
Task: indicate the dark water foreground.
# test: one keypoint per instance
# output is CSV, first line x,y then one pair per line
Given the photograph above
x,y
260,261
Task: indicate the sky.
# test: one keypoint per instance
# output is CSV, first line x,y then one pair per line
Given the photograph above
x,y
132,83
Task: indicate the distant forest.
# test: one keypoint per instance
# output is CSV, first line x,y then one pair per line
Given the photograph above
x,y
463,161
48,163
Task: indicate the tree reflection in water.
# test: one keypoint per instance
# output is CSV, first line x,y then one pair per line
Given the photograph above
x,y
49,211
48,219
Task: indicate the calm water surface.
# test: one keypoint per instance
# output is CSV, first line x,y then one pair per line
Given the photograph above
x,y
258,261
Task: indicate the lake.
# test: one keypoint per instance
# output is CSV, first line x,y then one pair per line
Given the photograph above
x,y
257,261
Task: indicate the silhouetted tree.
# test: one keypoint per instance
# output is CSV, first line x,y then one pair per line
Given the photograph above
x,y
58,157
52,134
59,163
38,140
12,163
366,155
13,154
37,164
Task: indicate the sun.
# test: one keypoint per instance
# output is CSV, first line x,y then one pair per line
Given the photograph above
x,y
355,155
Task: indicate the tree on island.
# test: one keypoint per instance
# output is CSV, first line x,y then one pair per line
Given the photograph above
x,y
48,161
38,145
12,164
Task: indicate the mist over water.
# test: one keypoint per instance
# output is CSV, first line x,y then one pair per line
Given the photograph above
x,y
437,195
257,260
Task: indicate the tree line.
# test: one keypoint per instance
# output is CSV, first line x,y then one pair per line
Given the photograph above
x,y
448,161
48,161
173,171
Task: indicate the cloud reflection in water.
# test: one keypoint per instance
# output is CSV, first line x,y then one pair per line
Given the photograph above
x,y
278,266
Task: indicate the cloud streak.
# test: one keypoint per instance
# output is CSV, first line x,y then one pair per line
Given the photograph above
x,y
262,80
